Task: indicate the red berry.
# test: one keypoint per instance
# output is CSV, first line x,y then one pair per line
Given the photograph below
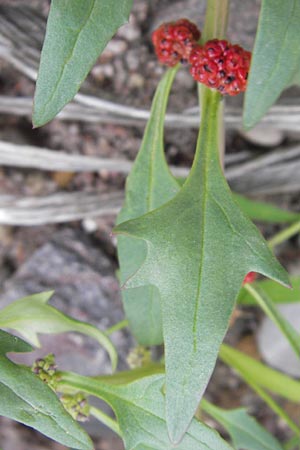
x,y
250,277
221,65
173,41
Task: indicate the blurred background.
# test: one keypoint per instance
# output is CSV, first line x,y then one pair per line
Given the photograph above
x,y
62,185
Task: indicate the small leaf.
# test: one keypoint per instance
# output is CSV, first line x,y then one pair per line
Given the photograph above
x,y
127,377
140,410
10,343
276,57
32,315
277,293
149,185
200,247
244,430
26,399
77,32
264,212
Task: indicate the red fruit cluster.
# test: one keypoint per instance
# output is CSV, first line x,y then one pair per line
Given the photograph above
x,y
174,41
221,65
250,277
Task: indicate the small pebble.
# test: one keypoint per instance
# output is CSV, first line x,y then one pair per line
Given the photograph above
x,y
136,81
102,71
264,136
131,31
114,47
89,225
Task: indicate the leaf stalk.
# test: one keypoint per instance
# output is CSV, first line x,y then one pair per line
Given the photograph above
x,y
284,235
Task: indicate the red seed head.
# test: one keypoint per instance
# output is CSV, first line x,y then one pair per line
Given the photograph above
x,y
221,65
174,41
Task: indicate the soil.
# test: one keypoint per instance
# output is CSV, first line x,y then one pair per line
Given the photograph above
x,y
128,72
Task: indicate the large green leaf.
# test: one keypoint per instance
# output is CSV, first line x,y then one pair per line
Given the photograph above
x,y
26,399
32,315
200,247
244,431
277,293
276,57
140,410
77,32
149,185
264,212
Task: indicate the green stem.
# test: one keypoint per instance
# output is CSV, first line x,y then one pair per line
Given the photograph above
x,y
104,418
210,409
262,300
271,379
270,309
215,20
292,444
118,326
211,120
227,356
284,235
272,404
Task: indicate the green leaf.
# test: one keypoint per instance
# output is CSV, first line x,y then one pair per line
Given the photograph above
x,y
32,315
264,376
264,212
277,293
10,343
26,399
200,247
140,410
276,57
128,376
149,185
77,32
244,430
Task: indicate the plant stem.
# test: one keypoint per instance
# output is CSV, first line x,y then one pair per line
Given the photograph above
x,y
292,444
104,418
215,20
227,355
209,408
271,379
118,326
284,235
267,305
272,404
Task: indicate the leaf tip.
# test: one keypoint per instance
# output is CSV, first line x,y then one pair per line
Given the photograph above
x,y
248,122
176,434
280,277
37,122
177,421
